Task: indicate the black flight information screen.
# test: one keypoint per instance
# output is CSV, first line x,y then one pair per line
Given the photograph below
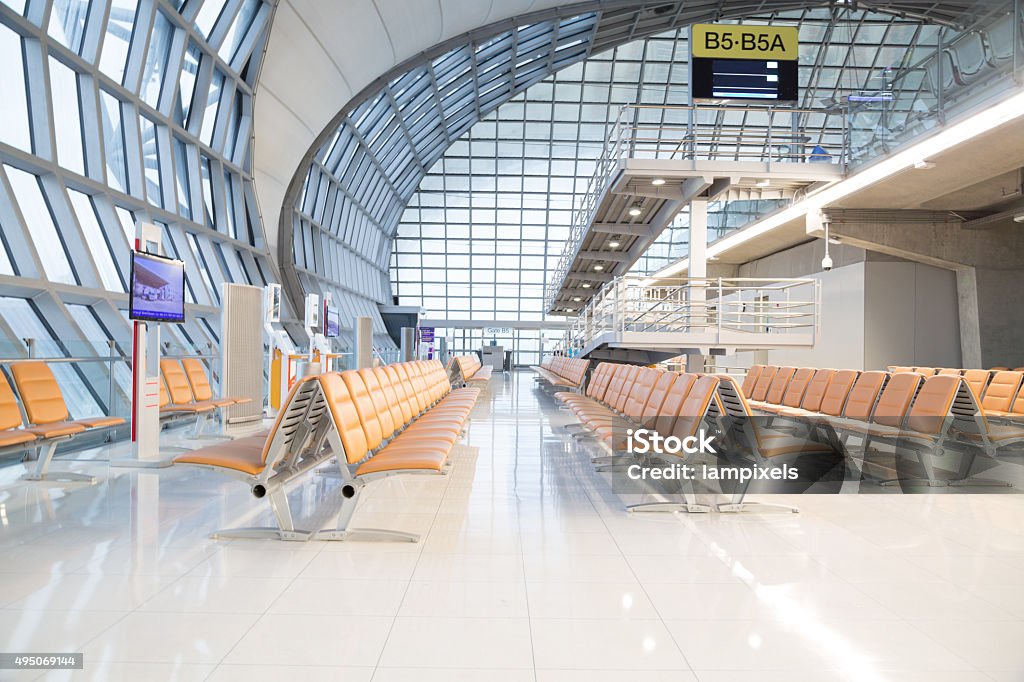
x,y
754,79
734,62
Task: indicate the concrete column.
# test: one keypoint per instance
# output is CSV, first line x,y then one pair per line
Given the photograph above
x,y
970,324
364,342
408,344
698,269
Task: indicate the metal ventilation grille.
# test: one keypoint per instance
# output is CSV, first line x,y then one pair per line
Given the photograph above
x,y
241,355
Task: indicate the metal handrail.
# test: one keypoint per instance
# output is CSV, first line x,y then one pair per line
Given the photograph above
x,y
625,142
633,303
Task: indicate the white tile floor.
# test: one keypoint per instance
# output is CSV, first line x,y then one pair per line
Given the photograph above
x,y
529,569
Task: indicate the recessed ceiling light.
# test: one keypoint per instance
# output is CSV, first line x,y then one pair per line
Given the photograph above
x,y
568,310
613,245
586,285
921,164
763,183
576,299
657,182
634,210
1019,218
599,268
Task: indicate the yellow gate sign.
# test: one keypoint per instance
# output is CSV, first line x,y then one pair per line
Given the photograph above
x,y
732,41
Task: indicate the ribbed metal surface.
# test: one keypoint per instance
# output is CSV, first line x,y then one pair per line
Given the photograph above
x,y
242,358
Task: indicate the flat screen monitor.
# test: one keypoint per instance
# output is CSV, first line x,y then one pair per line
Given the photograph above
x,y
332,322
744,79
158,288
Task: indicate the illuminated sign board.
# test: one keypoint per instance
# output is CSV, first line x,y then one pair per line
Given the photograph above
x,y
735,62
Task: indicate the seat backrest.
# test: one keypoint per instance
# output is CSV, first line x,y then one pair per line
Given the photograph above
x,y
779,385
1018,403
933,404
299,426
926,371
977,379
673,402
834,400
598,380
40,392
949,371
197,379
764,382
816,389
750,380
1000,393
797,387
895,399
640,393
348,427
178,386
365,408
653,407
898,369
10,414
389,397
631,374
695,406
604,385
401,389
618,379
861,401
402,370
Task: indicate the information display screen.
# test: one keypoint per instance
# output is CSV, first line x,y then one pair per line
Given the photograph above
x,y
157,288
744,62
332,322
744,79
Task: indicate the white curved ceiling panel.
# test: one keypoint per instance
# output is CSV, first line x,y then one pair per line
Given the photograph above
x,y
321,54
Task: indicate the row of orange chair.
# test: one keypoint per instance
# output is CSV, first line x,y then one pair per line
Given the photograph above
x,y
185,390
815,412
770,388
48,422
397,419
466,368
624,397
563,372
928,371
926,413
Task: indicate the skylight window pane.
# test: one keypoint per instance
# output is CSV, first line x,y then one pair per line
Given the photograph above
x,y
151,161
118,38
207,17
97,241
67,117
113,136
156,60
67,22
14,127
239,29
49,246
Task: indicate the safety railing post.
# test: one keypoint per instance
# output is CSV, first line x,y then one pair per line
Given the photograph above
x,y
111,353
30,347
721,309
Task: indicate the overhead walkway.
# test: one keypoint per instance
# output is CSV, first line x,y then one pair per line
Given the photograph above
x,y
641,321
658,160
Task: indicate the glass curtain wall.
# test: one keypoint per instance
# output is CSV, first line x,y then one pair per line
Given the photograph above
x,y
114,112
485,229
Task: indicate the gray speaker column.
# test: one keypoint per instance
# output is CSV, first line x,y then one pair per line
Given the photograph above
x,y
408,344
364,342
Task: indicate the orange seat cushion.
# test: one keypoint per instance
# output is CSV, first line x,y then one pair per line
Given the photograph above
x,y
99,422
396,460
56,429
244,457
8,438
